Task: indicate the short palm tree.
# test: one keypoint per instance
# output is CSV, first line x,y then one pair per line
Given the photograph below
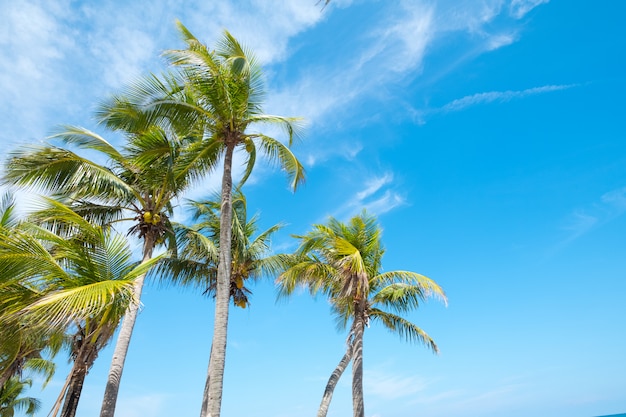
x,y
343,262
196,262
21,347
216,98
137,184
83,279
12,401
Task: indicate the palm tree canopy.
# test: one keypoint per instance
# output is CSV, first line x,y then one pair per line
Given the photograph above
x,y
84,273
214,100
343,261
12,401
197,260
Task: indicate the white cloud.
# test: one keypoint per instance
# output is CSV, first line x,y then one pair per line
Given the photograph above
x,y
247,21
499,96
610,206
387,202
377,196
122,55
580,223
500,40
519,8
69,58
391,52
33,46
616,199
374,185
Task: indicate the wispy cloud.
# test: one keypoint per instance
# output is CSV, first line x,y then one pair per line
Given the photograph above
x,y
391,52
377,195
499,96
421,115
373,185
519,8
52,49
581,221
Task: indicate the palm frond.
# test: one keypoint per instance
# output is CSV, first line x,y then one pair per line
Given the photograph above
x,y
86,139
60,308
419,285
404,328
56,170
281,154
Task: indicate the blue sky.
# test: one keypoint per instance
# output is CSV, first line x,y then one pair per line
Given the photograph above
x,y
488,138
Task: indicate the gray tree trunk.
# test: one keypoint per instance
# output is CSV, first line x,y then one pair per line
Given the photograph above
x,y
357,360
123,340
332,382
212,399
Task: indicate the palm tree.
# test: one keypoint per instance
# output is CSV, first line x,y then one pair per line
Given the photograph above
x,y
217,98
343,262
196,263
21,346
84,283
12,401
136,184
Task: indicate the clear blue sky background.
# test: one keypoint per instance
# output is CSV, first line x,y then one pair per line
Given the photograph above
x,y
487,136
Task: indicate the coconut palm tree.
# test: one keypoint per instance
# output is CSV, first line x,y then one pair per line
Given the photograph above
x,y
196,263
11,399
136,184
343,262
83,281
216,97
21,346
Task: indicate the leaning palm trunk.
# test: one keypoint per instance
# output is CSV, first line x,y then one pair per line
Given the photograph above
x,y
357,359
74,390
212,399
84,360
332,381
123,340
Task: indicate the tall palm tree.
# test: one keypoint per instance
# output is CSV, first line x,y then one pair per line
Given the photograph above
x,y
217,98
84,283
11,399
137,184
343,262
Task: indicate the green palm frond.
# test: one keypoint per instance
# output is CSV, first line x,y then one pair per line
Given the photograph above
x,y
292,126
11,400
392,284
41,366
404,328
316,276
53,218
200,158
277,152
8,218
343,262
61,308
86,139
56,170
149,101
24,257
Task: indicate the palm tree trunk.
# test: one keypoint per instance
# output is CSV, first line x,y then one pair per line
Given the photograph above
x,y
74,390
212,399
357,363
123,340
332,382
83,363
